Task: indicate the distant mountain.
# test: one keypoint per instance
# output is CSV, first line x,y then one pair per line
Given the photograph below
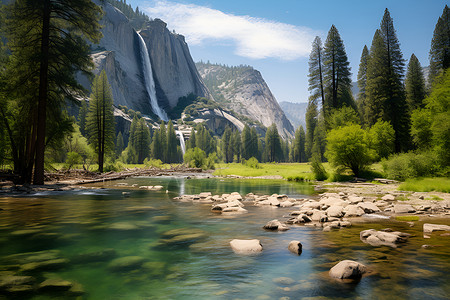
x,y
243,90
295,112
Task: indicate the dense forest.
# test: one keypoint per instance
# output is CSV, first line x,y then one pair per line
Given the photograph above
x,y
398,118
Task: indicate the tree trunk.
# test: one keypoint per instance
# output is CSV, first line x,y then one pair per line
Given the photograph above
x,y
42,100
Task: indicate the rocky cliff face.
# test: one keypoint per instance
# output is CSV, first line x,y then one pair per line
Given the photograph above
x,y
244,91
119,54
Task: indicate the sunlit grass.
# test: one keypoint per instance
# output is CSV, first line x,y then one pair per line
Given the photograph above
x,y
407,218
438,184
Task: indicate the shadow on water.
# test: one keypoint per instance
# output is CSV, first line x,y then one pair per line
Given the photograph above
x,y
145,245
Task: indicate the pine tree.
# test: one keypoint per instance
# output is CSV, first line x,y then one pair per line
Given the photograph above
x,y
319,140
298,146
172,142
47,40
227,149
163,141
246,142
337,76
236,145
273,149
100,118
440,46
156,147
311,123
139,140
82,117
414,84
191,141
316,71
396,107
120,145
362,81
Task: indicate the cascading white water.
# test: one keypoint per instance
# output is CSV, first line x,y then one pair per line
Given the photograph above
x,y
182,143
149,82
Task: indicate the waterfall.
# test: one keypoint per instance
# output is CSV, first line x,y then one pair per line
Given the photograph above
x,y
149,82
182,143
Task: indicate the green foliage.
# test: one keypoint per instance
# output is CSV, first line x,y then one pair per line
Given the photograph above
x,y
113,166
120,145
349,147
410,165
343,116
195,158
318,169
73,158
155,163
315,76
440,46
414,84
183,102
252,162
421,120
82,114
337,75
381,139
438,184
362,82
311,123
210,161
298,149
273,150
139,143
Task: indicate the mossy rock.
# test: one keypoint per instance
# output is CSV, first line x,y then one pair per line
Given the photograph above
x,y
126,263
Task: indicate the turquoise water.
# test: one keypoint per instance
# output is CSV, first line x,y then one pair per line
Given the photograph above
x,y
181,250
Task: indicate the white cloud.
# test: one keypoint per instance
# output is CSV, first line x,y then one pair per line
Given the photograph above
x,y
252,37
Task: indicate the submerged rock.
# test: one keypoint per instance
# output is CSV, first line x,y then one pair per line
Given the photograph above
x,y
246,246
284,281
96,256
428,228
275,225
55,285
383,238
126,263
12,283
295,247
44,265
348,269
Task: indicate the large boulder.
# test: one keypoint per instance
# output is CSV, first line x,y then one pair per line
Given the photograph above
x,y
246,246
295,247
383,238
403,209
275,225
369,207
335,211
353,211
348,269
428,228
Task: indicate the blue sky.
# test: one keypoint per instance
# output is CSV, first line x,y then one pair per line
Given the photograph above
x,y
275,36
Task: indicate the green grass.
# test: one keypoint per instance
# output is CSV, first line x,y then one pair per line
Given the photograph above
x,y
438,184
434,197
292,171
407,218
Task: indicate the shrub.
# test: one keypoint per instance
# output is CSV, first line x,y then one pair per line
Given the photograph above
x,y
382,137
318,169
349,147
211,161
252,162
195,157
155,163
111,166
410,165
73,158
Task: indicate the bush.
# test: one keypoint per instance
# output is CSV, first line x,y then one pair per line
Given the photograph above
x,y
155,163
410,165
211,161
381,138
113,166
73,158
252,162
349,147
318,169
195,158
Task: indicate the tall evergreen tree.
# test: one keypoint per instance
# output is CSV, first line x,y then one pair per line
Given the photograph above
x,y
273,149
163,141
227,149
191,141
120,145
156,146
236,145
311,123
100,118
414,84
362,81
139,140
82,117
337,75
298,147
316,71
47,40
254,148
440,45
246,141
172,142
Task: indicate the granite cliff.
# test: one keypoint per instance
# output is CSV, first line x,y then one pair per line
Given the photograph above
x,y
243,90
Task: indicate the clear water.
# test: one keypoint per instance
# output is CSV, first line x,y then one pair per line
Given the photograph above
x,y
205,267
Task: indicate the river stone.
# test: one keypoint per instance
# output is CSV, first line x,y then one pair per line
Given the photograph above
x,y
246,246
319,216
355,199
286,203
383,238
29,257
205,194
353,211
9,281
311,205
123,226
335,211
284,281
55,285
236,209
295,247
44,265
348,269
388,197
403,208
126,263
103,255
275,225
369,207
428,228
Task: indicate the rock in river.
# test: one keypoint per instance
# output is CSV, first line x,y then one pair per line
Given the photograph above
x,y
383,238
126,263
275,225
348,269
428,228
246,246
295,247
